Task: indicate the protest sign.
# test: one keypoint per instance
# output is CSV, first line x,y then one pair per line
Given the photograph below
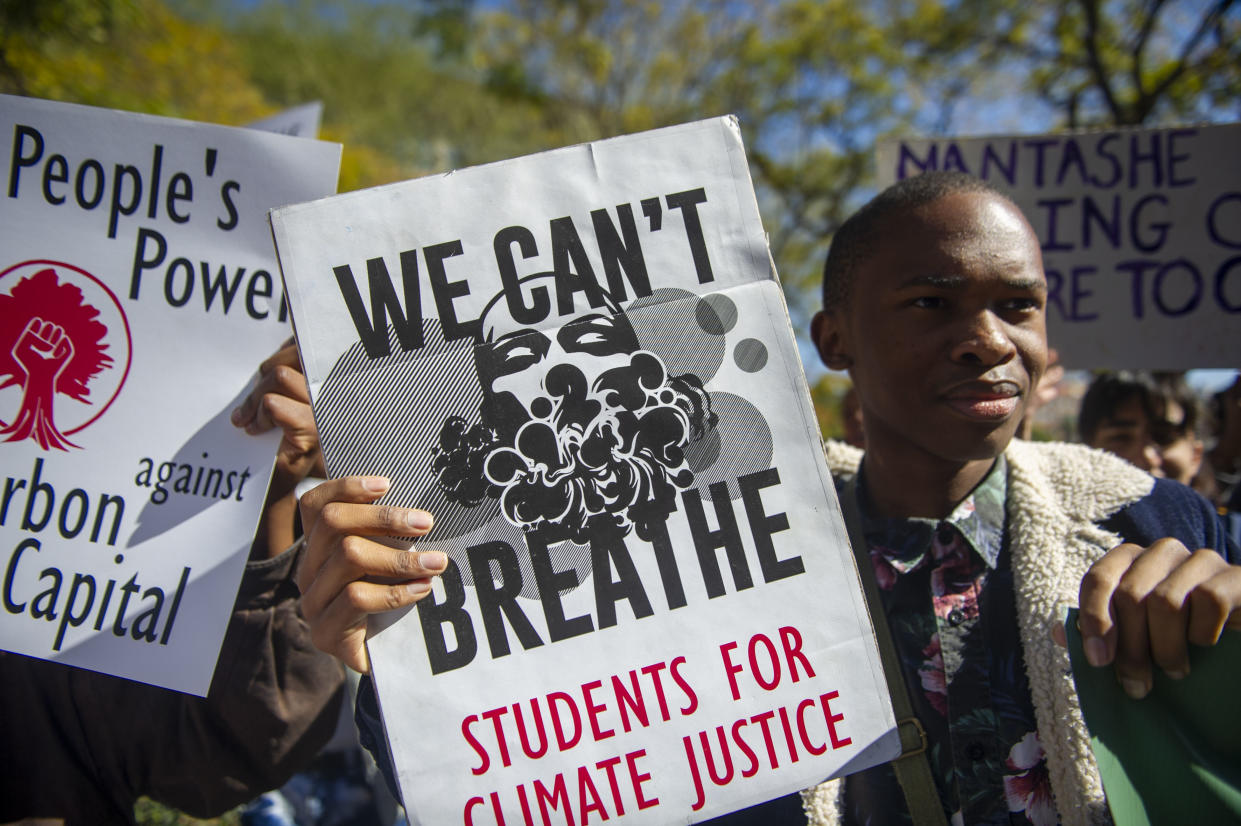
x,y
1140,230
580,362
138,293
299,121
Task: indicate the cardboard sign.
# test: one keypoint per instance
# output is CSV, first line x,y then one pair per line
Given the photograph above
x,y
138,293
580,362
1140,229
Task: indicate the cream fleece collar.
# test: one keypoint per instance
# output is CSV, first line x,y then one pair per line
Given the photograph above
x,y
1056,492
1056,495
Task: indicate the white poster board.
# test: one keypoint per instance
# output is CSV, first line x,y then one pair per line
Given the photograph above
x,y
299,121
138,293
581,363
1140,229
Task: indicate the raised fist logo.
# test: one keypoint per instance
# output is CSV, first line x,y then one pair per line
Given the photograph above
x,y
43,351
51,343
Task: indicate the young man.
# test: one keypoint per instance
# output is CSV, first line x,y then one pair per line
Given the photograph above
x,y
978,544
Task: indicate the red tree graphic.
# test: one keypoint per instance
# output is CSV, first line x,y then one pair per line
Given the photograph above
x,y
50,342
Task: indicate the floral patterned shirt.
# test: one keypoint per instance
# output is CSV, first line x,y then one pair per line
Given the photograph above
x,y
947,590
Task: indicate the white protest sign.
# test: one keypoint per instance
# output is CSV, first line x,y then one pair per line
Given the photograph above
x,y
299,121
580,362
138,293
1140,229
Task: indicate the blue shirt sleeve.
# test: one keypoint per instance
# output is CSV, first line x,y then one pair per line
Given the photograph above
x,y
1172,509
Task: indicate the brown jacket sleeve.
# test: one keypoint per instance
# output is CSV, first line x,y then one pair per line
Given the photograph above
x,y
274,702
83,746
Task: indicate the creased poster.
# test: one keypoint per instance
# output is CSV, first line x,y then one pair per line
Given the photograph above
x,y
580,362
138,293
1140,232
299,121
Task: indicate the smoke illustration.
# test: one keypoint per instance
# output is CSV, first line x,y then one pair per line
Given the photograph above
x,y
579,435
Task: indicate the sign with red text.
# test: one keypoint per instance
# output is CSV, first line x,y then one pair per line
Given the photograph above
x,y
138,294
1140,230
580,362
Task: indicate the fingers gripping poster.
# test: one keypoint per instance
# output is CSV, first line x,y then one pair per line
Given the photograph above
x,y
138,294
580,362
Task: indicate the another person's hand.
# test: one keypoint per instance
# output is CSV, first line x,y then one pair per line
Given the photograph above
x,y
345,575
280,398
1141,607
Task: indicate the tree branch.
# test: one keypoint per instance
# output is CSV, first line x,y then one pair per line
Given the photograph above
x,y
1208,22
1095,60
1139,48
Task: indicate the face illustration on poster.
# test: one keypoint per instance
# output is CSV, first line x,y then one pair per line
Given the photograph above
x,y
597,427
580,431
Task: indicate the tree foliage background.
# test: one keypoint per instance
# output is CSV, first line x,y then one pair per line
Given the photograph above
x,y
412,88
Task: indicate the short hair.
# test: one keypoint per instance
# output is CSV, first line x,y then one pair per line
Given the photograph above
x,y
1108,392
1155,393
856,238
1172,387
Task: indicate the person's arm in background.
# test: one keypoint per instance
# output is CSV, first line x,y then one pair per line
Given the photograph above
x,y
274,699
281,399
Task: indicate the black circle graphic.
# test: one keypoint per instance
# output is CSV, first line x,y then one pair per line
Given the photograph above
x,y
750,355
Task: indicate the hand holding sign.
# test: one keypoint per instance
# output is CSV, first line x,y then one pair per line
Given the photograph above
x,y
281,399
1143,605
347,576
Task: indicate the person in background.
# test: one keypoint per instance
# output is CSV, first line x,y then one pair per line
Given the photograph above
x,y
1150,423
1225,454
81,747
1153,422
1221,472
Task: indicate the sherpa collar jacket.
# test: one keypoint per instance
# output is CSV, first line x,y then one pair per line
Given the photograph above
x,y
1067,505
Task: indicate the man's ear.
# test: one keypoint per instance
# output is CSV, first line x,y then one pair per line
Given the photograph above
x,y
829,339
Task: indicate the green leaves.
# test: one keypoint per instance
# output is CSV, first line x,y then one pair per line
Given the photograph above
x,y
424,87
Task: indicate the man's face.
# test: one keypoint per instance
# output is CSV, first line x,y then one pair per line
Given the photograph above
x,y
580,430
1161,447
943,332
520,364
